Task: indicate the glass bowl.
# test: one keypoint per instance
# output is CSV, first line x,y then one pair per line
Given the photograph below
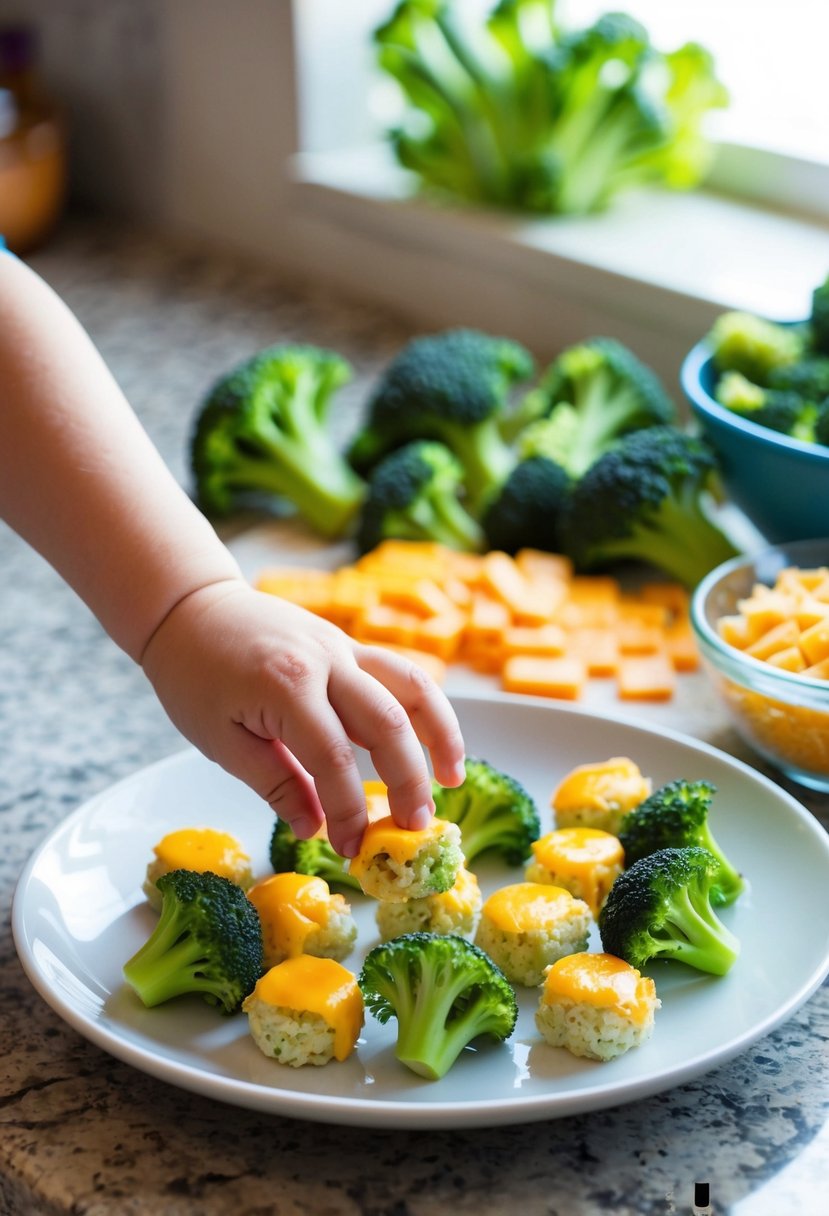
x,y
782,715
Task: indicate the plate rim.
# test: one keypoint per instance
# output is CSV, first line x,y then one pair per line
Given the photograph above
x,y
400,1113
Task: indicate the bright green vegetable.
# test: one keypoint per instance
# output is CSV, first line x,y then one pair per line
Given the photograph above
x,y
316,857
517,112
781,410
644,501
493,811
414,493
673,817
445,993
526,510
262,436
453,387
661,908
741,342
589,397
208,941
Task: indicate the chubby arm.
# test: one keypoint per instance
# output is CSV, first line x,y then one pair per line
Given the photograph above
x,y
272,693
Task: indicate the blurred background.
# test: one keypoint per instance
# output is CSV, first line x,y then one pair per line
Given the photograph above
x,y
258,127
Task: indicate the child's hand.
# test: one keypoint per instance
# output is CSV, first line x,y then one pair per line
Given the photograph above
x,y
277,696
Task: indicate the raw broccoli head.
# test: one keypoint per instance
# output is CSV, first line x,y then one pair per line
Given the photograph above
x,y
492,810
261,437
315,857
822,423
452,387
781,410
594,393
661,908
643,501
208,940
444,992
513,111
674,817
414,494
741,342
525,513
819,320
808,377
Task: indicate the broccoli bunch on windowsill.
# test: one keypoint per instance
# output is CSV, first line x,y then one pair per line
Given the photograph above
x,y
515,111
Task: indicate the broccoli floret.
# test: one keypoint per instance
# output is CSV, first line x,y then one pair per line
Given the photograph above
x,y
674,817
643,501
594,393
444,992
741,342
526,511
452,387
781,410
413,494
208,940
661,909
822,423
261,438
819,320
492,810
315,857
512,111
809,377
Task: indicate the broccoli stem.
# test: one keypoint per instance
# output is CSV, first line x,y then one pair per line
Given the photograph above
x,y
696,936
429,1039
168,963
486,458
679,539
729,882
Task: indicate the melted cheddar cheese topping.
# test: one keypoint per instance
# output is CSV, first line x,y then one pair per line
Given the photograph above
x,y
613,783
291,906
202,849
585,854
601,980
320,986
400,844
525,906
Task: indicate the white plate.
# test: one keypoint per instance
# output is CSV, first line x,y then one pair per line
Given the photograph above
x,y
79,914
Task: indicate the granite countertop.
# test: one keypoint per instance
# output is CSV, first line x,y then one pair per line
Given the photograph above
x,y
81,1132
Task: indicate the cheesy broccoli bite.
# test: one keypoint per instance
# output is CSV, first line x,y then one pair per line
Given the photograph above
x,y
584,861
452,912
299,915
306,1010
527,926
596,1006
396,864
599,795
197,850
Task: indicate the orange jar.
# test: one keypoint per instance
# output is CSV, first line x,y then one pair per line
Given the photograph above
x,y
32,145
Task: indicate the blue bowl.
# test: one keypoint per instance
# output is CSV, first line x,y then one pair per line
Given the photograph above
x,y
781,484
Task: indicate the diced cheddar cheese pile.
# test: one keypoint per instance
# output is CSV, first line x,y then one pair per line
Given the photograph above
x,y
786,626
527,620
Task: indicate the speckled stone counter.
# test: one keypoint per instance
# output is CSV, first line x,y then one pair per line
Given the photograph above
x,y
82,1133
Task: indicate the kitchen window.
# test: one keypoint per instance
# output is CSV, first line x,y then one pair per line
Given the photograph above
x,y
757,236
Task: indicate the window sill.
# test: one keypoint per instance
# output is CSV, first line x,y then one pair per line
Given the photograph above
x,y
654,271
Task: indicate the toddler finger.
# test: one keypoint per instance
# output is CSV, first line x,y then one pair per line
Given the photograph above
x,y
432,717
270,769
317,738
380,724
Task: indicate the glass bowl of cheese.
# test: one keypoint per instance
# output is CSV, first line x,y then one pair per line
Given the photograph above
x,y
762,626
